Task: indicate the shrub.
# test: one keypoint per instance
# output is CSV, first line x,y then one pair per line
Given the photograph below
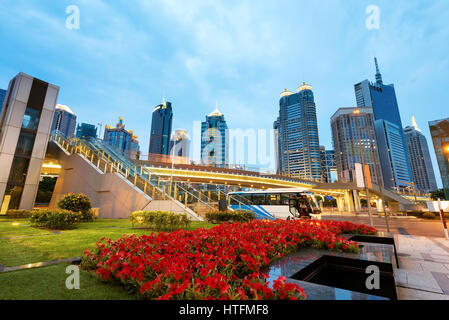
x,y
230,216
54,219
77,203
428,215
19,214
160,220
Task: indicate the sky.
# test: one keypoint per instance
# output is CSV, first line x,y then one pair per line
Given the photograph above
x,y
127,56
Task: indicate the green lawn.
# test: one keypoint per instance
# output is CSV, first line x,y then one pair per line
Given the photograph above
x,y
70,243
49,282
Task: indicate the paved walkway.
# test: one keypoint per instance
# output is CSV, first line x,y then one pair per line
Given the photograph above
x,y
424,272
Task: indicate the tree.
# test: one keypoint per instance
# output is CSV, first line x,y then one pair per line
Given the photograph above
x,y
438,194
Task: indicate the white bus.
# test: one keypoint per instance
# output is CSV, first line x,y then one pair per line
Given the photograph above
x,y
292,203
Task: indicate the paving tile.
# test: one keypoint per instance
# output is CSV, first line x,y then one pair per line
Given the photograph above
x,y
422,280
433,267
410,264
411,294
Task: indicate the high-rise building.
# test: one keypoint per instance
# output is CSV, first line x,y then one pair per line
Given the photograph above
x,y
181,143
393,153
25,125
86,131
297,131
439,129
161,127
64,121
2,98
214,140
328,165
418,152
352,128
122,140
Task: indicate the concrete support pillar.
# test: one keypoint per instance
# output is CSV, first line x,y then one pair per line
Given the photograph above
x,y
357,204
379,205
349,202
340,204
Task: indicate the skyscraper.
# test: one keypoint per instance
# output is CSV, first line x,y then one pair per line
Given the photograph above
x,y
418,151
2,98
122,140
214,140
328,165
393,153
64,121
86,131
350,130
439,129
161,126
181,142
297,132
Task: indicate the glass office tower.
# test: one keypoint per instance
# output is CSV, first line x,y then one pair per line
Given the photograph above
x,y
328,165
352,132
122,140
64,121
439,129
2,98
297,131
214,140
393,153
161,127
418,151
86,131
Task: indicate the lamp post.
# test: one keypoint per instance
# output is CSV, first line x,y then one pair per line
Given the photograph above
x,y
380,187
357,112
175,136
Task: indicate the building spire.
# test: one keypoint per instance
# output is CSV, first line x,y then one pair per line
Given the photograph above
x,y
378,74
414,124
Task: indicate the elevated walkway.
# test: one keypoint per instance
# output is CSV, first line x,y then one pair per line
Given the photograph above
x,y
114,183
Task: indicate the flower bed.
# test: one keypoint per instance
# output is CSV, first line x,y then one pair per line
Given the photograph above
x,y
220,263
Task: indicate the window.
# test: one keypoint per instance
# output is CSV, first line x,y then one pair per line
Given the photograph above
x,y
31,119
18,171
25,144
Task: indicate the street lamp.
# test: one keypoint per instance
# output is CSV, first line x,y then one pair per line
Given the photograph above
x,y
357,112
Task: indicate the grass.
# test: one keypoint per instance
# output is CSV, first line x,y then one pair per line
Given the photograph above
x,y
68,244
48,283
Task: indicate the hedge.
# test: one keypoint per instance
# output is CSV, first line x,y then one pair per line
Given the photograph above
x,y
160,220
77,203
230,216
54,219
19,214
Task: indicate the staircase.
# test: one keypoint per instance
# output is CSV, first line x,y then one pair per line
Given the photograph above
x,y
166,195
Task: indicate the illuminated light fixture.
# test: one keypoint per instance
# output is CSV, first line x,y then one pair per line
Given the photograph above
x,y
356,111
15,224
51,165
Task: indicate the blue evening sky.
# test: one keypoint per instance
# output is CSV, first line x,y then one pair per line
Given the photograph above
x,y
128,54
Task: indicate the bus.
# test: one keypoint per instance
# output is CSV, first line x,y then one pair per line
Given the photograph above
x,y
272,204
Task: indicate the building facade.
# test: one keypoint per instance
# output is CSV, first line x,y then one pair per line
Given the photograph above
x,y
122,140
25,124
2,98
180,141
64,121
297,131
394,159
439,129
214,140
161,127
420,161
328,165
86,131
353,128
